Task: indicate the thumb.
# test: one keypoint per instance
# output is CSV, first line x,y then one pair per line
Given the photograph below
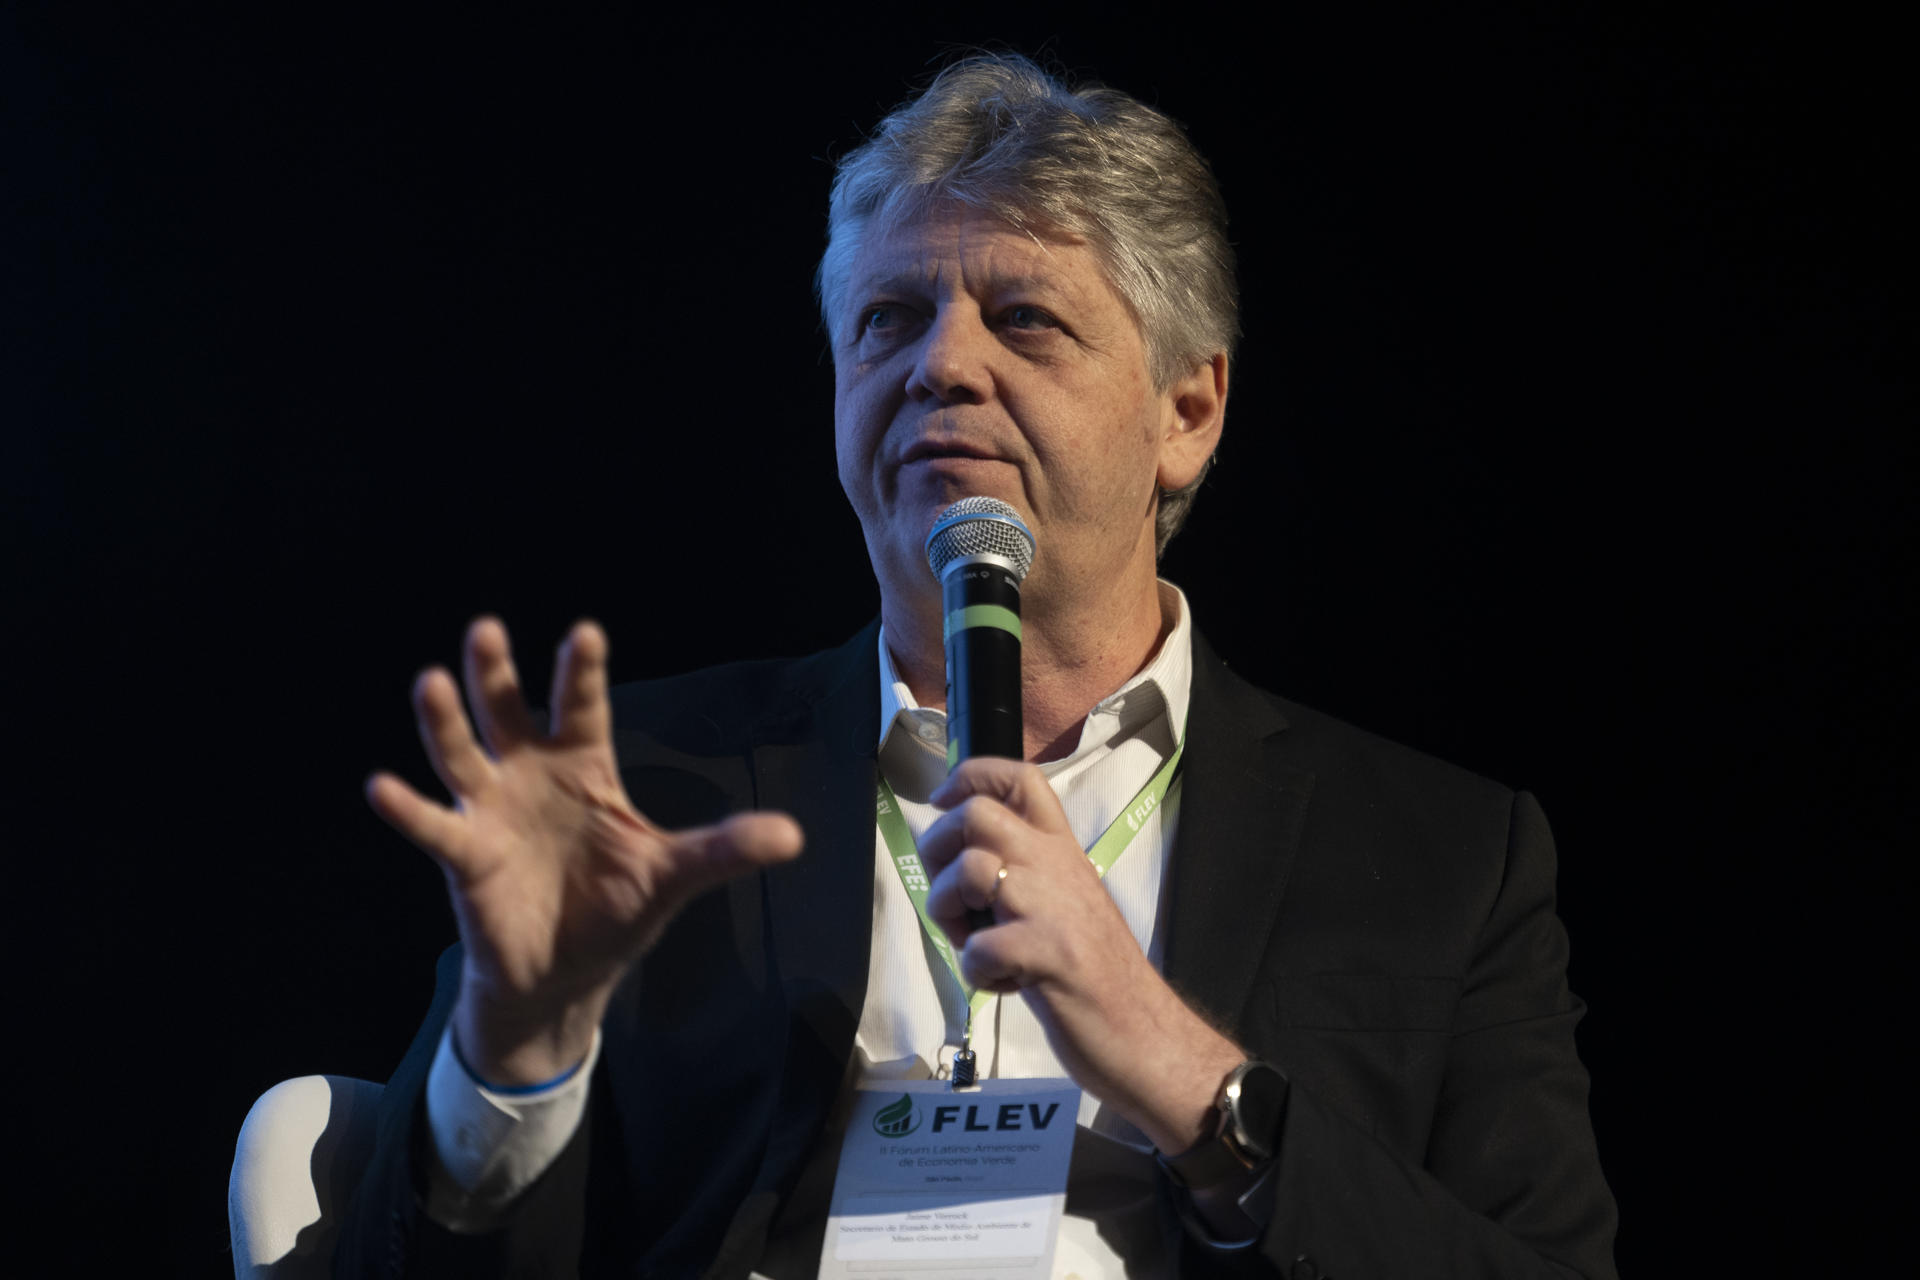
x,y
745,842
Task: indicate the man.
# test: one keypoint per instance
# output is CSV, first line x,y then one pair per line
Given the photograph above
x,y
642,1056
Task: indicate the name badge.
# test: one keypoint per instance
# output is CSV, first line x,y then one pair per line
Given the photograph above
x,y
936,1181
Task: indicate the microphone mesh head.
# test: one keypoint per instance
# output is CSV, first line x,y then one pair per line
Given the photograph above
x,y
980,526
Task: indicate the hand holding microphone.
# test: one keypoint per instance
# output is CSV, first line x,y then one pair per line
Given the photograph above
x,y
980,550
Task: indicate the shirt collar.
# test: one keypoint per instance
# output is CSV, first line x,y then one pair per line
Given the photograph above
x,y
913,739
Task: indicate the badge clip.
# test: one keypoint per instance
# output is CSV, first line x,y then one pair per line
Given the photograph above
x,y
964,1067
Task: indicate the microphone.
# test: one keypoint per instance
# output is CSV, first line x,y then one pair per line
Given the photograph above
x,y
980,550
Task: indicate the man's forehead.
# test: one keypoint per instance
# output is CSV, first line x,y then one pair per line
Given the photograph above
x,y
990,251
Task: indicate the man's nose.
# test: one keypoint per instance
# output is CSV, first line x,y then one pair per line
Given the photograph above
x,y
955,365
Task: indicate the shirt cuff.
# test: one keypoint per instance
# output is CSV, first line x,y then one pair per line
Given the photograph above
x,y
489,1145
1232,1215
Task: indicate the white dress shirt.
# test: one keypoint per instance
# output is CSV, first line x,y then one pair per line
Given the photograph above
x,y
491,1145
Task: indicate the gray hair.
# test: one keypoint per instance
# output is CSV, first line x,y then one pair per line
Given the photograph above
x,y
996,133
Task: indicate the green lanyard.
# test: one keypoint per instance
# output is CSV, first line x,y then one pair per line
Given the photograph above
x,y
1105,852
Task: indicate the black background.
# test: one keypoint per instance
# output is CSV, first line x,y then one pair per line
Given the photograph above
x,y
1569,441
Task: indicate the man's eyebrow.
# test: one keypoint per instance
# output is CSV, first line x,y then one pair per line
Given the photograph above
x,y
896,282
912,281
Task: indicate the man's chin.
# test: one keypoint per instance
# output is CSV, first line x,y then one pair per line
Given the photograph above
x,y
930,485
898,547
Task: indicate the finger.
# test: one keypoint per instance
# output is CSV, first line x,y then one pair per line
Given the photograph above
x,y
705,856
580,713
447,736
970,895
999,959
493,687
1019,786
980,822
436,829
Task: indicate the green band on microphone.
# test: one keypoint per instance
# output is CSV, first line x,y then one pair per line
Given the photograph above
x,y
981,615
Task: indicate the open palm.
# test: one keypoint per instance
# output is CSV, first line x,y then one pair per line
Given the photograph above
x,y
557,881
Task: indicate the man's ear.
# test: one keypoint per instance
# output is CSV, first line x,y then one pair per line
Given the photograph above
x,y
1198,409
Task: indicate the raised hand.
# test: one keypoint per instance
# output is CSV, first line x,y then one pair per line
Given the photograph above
x,y
1057,938
557,881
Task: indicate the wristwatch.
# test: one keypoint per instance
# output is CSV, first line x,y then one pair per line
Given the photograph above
x,y
1252,1102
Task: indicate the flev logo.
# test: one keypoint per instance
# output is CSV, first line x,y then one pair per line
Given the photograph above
x,y
896,1119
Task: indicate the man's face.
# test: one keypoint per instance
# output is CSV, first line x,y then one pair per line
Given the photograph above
x,y
972,359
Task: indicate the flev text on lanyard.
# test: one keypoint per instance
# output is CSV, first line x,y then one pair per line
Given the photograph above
x,y
913,874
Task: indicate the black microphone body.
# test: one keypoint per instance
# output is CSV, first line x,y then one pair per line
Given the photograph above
x,y
983,662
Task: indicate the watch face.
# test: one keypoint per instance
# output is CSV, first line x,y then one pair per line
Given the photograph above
x,y
1253,1119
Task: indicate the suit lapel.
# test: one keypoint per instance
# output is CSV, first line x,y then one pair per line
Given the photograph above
x,y
1241,812
816,761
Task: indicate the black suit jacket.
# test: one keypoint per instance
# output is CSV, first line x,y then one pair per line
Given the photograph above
x,y
1377,923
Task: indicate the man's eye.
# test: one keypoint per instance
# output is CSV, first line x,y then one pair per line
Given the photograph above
x,y
879,318
1027,317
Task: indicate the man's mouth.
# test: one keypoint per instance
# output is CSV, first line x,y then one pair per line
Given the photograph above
x,y
925,450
